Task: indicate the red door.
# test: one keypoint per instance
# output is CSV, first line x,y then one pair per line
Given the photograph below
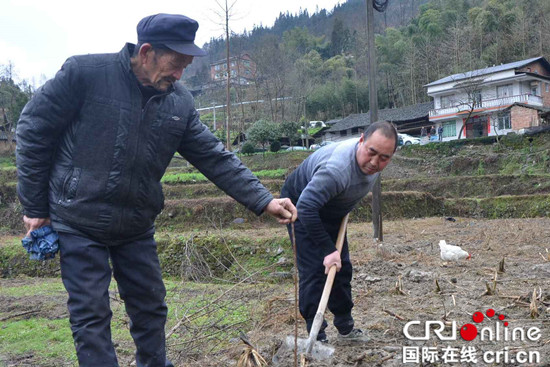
x,y
477,127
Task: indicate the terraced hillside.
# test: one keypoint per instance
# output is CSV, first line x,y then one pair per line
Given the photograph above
x,y
229,271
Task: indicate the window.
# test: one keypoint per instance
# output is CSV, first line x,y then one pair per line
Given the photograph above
x,y
343,132
446,101
354,130
535,89
504,122
547,87
217,67
505,91
449,129
476,98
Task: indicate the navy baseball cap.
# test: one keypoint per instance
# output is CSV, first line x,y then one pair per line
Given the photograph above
x,y
177,32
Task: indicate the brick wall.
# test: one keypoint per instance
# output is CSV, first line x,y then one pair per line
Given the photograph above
x,y
544,94
523,117
536,68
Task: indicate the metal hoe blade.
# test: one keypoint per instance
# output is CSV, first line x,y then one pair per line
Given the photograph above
x,y
319,351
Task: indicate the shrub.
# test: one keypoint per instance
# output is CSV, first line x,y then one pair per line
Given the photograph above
x,y
248,148
275,146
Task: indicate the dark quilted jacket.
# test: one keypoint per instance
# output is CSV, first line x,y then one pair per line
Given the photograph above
x,y
91,158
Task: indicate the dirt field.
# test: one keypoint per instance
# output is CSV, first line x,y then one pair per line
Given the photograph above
x,y
403,280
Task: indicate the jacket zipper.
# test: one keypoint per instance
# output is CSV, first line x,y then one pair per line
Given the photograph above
x,y
136,150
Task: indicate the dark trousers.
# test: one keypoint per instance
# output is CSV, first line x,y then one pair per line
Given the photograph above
x,y
86,274
312,280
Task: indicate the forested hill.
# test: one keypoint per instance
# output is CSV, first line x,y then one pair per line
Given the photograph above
x,y
323,55
321,23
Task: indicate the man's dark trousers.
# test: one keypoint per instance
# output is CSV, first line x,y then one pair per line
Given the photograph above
x,y
312,279
86,274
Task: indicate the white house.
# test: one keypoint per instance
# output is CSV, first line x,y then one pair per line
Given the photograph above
x,y
491,101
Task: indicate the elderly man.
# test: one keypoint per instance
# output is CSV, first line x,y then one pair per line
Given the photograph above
x,y
92,146
324,188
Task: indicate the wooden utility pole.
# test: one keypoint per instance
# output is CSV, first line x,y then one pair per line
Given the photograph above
x,y
373,111
228,90
214,111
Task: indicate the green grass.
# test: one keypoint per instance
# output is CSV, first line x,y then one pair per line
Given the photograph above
x,y
43,287
183,177
199,177
49,339
209,326
7,162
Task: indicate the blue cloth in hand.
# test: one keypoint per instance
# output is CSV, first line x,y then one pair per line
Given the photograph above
x,y
42,244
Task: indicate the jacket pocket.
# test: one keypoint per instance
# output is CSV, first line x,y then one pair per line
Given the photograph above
x,y
70,185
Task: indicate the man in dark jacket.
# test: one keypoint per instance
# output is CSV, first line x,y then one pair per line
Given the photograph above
x,y
324,188
92,147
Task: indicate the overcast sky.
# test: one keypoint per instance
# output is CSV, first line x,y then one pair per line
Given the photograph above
x,y
39,35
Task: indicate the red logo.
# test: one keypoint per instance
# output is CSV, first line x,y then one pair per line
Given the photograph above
x,y
469,332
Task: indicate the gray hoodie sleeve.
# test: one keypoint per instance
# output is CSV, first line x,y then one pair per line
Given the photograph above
x,y
323,186
207,153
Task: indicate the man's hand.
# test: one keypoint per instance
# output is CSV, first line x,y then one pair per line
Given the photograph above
x,y
283,210
34,223
332,259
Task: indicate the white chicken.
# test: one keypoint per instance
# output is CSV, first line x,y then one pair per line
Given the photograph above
x,y
452,253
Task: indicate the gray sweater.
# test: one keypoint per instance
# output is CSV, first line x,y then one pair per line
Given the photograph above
x,y
327,186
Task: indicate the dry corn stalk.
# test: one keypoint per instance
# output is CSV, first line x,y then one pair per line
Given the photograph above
x,y
495,282
501,266
534,307
250,356
399,287
437,287
489,291
547,257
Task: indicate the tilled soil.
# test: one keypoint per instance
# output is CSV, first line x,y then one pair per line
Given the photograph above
x,y
395,283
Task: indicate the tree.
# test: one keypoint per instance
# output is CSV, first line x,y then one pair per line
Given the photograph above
x,y
289,130
470,96
13,98
273,64
263,132
226,14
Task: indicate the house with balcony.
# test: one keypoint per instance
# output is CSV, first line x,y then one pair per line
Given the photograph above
x,y
493,101
243,70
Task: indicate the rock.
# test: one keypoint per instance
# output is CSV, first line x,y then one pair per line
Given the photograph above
x,y
279,251
370,279
282,260
542,269
238,220
418,275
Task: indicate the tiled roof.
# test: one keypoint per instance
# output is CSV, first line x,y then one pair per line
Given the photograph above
x,y
479,72
395,115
